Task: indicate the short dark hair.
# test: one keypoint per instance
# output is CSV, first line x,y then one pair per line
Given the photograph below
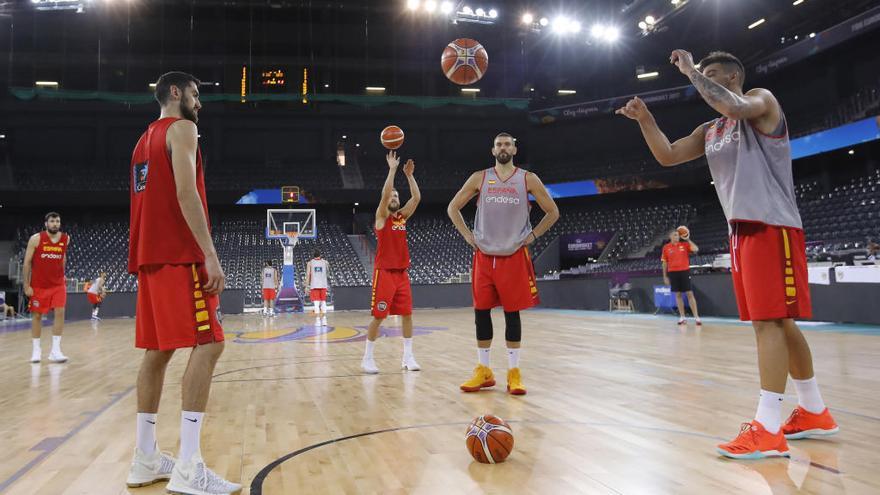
x,y
179,79
504,134
268,262
51,214
726,59
317,253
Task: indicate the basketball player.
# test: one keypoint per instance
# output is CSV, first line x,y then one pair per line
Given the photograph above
x,y
749,157
179,279
271,282
96,294
503,274
317,275
392,293
677,272
44,262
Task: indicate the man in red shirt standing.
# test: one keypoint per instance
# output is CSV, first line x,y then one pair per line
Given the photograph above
x,y
179,280
44,262
391,289
677,272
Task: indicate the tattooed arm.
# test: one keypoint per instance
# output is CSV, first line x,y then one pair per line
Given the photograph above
x,y
754,104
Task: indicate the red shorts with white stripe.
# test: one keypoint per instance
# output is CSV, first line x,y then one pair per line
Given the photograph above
x,y
769,268
392,293
318,295
507,281
173,311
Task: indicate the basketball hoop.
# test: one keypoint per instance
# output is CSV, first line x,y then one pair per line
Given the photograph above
x,y
291,239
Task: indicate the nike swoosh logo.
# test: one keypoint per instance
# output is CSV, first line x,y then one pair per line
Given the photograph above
x,y
192,420
151,422
790,302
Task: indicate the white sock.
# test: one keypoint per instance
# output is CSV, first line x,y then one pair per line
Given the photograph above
x,y
56,343
368,352
36,344
323,306
317,306
146,432
512,358
808,395
190,433
407,347
483,356
769,412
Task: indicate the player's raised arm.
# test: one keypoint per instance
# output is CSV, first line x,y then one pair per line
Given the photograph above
x,y
668,154
470,189
382,211
183,138
416,196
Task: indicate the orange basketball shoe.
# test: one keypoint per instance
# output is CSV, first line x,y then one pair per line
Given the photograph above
x,y
514,382
483,377
804,424
754,442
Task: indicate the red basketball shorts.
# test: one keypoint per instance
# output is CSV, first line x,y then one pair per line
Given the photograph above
x,y
318,295
48,298
507,281
94,298
172,310
269,294
392,294
769,268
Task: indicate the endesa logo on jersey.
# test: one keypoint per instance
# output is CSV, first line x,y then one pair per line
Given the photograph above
x,y
51,256
502,195
398,224
717,135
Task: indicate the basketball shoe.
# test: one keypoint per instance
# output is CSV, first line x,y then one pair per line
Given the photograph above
x,y
804,424
483,377
194,478
57,357
514,382
754,442
148,469
409,363
36,355
369,366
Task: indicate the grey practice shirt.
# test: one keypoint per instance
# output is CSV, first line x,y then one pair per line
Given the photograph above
x,y
752,172
502,221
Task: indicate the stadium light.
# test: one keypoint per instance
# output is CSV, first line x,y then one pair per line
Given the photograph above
x,y
575,27
812,35
797,2
480,12
528,18
597,31
375,88
560,25
851,152
326,85
567,92
46,84
544,21
649,20
647,75
493,13
446,7
676,2
467,10
413,4
430,6
643,25
757,23
470,90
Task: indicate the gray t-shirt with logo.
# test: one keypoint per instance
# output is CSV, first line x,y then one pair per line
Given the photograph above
x,y
752,172
502,221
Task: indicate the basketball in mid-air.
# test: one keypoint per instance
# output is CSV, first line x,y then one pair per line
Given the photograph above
x,y
464,61
391,137
489,439
683,232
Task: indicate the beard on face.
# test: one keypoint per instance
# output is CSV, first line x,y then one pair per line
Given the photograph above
x,y
188,113
53,230
393,207
503,157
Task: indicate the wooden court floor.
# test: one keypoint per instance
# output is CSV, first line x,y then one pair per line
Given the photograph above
x,y
615,405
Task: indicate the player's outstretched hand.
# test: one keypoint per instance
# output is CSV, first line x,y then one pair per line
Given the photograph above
x,y
216,278
634,109
392,159
683,60
409,167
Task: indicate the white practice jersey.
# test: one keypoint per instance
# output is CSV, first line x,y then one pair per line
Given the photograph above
x,y
97,286
270,278
319,268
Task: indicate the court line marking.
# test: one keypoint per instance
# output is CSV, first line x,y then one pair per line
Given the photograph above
x,y
51,444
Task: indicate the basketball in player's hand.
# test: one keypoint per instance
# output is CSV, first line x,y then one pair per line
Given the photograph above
x,y
392,137
683,232
489,439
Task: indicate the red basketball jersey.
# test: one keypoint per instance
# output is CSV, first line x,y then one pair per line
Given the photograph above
x,y
158,233
392,252
47,268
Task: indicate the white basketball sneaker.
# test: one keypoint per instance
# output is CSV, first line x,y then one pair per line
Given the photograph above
x,y
369,366
409,363
194,478
57,357
148,469
36,355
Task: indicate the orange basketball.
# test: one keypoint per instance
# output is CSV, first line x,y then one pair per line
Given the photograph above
x,y
489,439
464,61
391,137
683,232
